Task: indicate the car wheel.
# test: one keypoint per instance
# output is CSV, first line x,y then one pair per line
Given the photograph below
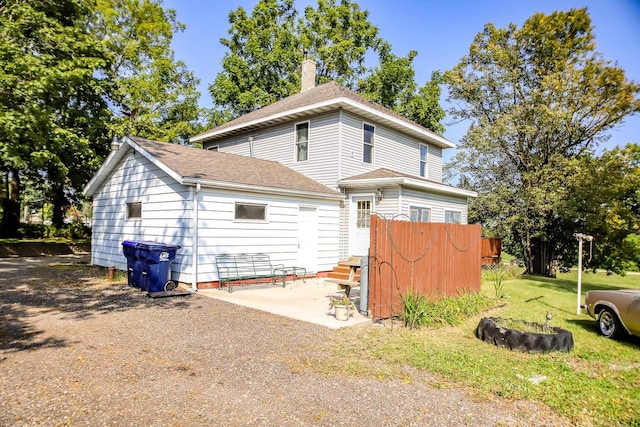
x,y
608,323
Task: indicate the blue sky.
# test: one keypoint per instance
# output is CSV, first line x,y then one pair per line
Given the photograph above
x,y
440,31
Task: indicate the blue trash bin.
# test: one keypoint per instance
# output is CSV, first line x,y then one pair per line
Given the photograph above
x,y
134,270
156,260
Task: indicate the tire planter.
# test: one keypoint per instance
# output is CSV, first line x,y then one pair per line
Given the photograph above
x,y
489,330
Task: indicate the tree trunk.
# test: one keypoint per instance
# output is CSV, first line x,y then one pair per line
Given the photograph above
x,y
543,258
58,200
11,205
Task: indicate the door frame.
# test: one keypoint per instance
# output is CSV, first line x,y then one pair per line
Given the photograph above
x,y
352,224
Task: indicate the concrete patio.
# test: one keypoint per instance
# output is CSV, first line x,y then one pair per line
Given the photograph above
x,y
308,301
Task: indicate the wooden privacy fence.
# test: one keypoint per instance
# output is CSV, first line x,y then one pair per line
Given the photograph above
x,y
491,250
432,259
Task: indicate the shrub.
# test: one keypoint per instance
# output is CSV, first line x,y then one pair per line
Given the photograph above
x,y
449,311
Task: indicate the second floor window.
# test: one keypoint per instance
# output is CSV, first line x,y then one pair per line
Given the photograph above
x,y
367,148
424,152
302,141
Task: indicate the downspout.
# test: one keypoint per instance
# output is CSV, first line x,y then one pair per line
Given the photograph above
x,y
194,238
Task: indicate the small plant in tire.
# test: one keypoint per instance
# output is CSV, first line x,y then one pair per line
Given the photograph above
x,y
616,311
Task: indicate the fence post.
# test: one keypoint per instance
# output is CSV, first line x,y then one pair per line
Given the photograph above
x,y
364,285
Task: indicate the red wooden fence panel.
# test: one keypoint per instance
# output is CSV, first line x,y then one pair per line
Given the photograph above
x,y
433,259
491,250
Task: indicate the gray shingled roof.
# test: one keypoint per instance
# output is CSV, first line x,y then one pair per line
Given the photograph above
x,y
325,93
384,173
212,166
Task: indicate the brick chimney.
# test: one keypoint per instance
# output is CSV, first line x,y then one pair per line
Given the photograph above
x,y
308,75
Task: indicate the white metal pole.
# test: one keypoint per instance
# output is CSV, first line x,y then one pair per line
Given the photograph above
x,y
579,273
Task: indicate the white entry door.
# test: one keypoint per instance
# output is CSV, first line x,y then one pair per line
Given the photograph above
x,y
360,210
308,238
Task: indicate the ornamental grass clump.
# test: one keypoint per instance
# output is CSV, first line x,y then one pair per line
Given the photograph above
x,y
419,311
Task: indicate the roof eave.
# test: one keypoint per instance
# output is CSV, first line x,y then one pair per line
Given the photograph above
x,y
105,169
432,186
334,103
232,186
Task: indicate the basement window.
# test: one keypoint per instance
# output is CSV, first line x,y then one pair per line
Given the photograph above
x,y
134,210
250,212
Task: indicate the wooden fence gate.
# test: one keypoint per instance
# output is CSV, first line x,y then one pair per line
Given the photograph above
x,y
432,259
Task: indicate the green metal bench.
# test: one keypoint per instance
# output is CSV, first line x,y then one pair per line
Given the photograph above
x,y
247,268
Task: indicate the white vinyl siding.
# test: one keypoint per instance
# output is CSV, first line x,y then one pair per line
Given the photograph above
x,y
278,237
167,217
166,208
436,202
393,150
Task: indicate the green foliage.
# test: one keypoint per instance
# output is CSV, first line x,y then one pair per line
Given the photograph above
x,y
69,70
595,384
414,309
265,50
419,311
498,275
537,98
153,95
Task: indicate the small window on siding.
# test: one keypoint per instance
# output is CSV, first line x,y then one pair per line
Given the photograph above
x,y
213,148
419,214
452,217
363,213
250,212
134,210
302,142
424,154
367,148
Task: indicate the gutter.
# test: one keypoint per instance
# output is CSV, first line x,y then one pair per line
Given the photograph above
x,y
442,188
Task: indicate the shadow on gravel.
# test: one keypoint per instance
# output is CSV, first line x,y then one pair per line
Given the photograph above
x,y
70,289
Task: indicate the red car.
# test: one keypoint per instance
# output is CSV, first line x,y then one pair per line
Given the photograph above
x,y
616,311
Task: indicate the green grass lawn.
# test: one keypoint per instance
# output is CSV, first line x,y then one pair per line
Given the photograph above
x,y
599,381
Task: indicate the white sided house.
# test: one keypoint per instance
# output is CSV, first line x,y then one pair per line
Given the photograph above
x,y
381,161
297,180
210,203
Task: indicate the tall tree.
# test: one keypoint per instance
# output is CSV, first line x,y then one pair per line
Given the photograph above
x,y
266,48
48,94
392,84
536,97
153,95
263,58
339,36
603,200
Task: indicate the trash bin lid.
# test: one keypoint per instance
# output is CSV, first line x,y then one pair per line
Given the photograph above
x,y
130,243
156,246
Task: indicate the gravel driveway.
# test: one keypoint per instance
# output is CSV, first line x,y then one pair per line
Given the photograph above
x,y
77,350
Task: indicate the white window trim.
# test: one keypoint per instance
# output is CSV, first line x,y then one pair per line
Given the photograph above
x,y
262,221
126,212
295,141
429,208
426,160
213,148
373,143
455,211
